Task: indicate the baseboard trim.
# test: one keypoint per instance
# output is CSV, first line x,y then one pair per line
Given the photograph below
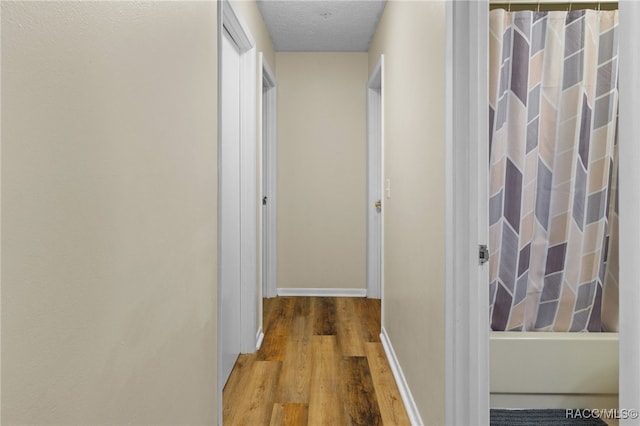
x,y
259,338
323,292
398,375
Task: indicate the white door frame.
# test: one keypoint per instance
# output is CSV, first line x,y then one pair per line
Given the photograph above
x,y
629,193
466,295
467,330
229,20
375,173
229,206
267,105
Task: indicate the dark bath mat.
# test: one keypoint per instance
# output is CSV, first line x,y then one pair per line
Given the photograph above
x,y
549,417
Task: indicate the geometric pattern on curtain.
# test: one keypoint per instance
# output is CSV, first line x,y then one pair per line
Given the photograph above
x,y
553,170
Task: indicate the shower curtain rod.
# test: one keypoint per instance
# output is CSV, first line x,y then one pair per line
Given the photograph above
x,y
519,2
553,4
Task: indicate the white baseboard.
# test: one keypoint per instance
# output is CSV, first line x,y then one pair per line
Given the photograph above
x,y
259,337
398,375
323,292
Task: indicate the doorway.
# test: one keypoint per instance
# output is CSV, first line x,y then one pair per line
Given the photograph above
x,y
375,167
269,179
467,381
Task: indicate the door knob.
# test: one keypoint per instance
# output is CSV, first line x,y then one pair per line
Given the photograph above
x,y
378,204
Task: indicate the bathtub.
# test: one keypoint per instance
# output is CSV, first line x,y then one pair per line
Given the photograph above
x,y
554,370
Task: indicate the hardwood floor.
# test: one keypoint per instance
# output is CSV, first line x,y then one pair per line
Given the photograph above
x,y
321,363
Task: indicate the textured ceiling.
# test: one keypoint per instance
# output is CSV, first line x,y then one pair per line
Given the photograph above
x,y
321,26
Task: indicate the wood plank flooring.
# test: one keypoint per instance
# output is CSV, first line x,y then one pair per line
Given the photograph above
x,y
321,363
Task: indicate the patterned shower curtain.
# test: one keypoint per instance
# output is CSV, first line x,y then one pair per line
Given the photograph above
x,y
553,170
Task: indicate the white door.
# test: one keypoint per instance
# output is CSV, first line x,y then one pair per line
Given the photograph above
x,y
269,206
265,190
374,182
229,232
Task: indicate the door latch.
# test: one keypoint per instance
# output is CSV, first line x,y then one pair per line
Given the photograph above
x,y
483,254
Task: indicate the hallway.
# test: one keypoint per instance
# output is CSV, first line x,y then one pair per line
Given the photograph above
x,y
321,363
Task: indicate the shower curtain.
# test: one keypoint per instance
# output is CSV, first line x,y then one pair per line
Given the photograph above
x,y
553,170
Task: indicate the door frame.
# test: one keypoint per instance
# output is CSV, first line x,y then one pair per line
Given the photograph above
x,y
230,21
467,334
629,193
466,298
375,177
268,151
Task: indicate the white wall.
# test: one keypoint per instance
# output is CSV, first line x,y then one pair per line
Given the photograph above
x,y
109,192
321,169
411,35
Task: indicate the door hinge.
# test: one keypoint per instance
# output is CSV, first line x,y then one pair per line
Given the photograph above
x,y
483,254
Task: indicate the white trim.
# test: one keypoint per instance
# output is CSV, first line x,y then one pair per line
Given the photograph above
x,y
375,173
238,31
248,201
230,22
219,385
268,73
248,198
323,292
268,146
401,382
259,338
382,177
259,151
629,193
466,299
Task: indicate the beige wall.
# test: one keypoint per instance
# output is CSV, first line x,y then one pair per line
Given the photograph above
x,y
109,213
321,170
412,37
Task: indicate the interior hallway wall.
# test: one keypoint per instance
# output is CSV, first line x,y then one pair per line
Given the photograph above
x,y
109,212
411,35
321,169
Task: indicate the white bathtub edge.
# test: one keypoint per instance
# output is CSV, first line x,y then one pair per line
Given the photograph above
x,y
553,370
